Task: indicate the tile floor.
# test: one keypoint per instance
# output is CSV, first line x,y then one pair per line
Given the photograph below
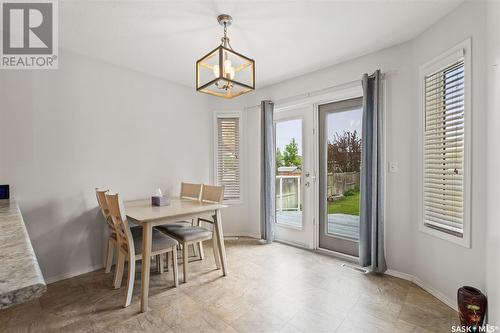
x,y
271,288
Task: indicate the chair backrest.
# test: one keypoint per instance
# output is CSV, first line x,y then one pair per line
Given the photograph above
x,y
191,191
103,205
119,218
211,193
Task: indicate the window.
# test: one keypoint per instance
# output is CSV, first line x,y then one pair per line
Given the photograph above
x,y
445,150
227,154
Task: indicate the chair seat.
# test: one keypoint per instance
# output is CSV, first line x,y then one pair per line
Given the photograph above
x,y
175,226
159,240
136,232
188,234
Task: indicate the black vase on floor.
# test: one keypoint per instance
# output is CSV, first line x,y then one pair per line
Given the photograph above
x,y
472,305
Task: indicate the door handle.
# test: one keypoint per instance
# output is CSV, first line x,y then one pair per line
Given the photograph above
x,y
308,175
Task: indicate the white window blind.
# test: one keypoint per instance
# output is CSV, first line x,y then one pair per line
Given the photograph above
x,y
228,156
443,188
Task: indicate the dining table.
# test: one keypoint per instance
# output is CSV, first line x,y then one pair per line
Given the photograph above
x,y
146,215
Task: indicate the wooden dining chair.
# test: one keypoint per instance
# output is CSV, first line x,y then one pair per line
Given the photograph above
x,y
103,205
196,233
112,242
130,247
193,192
189,191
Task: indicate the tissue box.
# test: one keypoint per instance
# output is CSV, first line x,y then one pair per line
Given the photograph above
x,y
160,201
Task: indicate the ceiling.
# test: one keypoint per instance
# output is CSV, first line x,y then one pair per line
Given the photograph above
x,y
285,38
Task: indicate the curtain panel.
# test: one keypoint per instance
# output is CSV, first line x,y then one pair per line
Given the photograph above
x,y
371,242
268,173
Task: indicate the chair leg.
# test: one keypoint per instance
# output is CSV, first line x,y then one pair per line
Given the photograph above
x,y
130,281
200,250
175,267
216,248
109,256
157,262
185,260
162,263
120,262
167,255
194,250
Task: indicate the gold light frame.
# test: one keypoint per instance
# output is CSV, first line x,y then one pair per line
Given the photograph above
x,y
211,87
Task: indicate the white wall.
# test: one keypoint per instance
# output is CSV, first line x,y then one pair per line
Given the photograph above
x,y
243,219
493,164
394,62
440,266
89,124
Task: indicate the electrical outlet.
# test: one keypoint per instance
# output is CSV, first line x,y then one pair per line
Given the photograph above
x,y
393,166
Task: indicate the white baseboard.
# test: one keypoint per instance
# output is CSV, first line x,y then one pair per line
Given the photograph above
x,y
400,275
440,296
241,234
71,274
299,245
251,235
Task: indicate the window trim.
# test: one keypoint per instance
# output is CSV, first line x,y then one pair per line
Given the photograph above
x,y
459,51
228,114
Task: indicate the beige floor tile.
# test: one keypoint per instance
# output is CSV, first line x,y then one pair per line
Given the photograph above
x,y
429,318
290,329
314,321
269,288
257,320
404,327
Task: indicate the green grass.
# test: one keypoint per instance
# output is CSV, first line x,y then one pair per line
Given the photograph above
x,y
346,205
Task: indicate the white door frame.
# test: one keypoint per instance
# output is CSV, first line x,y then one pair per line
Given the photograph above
x,y
313,102
291,234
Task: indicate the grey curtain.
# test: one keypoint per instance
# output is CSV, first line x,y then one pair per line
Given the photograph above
x,y
371,236
268,176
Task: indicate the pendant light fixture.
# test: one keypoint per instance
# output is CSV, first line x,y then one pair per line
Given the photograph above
x,y
224,72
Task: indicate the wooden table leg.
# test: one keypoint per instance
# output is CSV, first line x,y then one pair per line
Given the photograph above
x,y
214,245
147,230
220,241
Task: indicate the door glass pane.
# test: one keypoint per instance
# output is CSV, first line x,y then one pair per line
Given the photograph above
x,y
289,172
343,172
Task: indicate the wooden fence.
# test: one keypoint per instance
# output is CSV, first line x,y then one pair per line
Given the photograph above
x,y
338,183
288,193
288,196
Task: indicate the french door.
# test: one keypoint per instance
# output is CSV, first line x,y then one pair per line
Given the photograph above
x,y
294,176
339,138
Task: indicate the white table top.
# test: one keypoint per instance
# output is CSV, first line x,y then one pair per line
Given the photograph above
x,y
144,211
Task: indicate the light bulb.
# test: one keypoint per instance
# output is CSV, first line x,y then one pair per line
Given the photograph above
x,y
228,69
231,73
215,69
